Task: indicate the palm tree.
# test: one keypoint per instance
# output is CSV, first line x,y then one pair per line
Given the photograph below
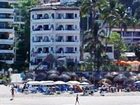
x,y
114,14
92,37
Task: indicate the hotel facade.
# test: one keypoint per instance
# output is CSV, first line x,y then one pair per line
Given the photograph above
x,y
54,30
6,31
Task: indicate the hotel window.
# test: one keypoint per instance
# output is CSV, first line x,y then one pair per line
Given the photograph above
x,y
39,16
46,27
33,17
60,27
46,16
69,50
109,49
46,39
75,15
75,38
52,15
69,16
45,50
39,50
52,49
70,39
69,27
75,49
59,16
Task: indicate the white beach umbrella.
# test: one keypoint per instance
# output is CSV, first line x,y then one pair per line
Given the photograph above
x,y
60,83
137,82
73,82
47,82
33,83
84,83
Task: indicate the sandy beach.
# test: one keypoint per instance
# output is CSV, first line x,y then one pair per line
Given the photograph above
x,y
120,98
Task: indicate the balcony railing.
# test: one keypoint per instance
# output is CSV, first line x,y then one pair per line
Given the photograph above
x,y
6,17
69,52
54,17
5,47
70,41
42,40
136,34
36,63
6,56
5,5
6,27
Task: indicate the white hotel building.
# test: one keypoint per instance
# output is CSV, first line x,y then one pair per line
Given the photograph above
x,y
54,30
6,31
130,36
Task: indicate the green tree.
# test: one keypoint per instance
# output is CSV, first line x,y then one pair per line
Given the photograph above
x,y
137,51
119,45
23,34
93,37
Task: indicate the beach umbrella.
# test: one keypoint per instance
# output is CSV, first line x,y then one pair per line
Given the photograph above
x,y
120,78
60,83
129,62
29,76
121,62
73,74
137,82
53,77
133,78
98,77
109,76
40,77
52,72
64,77
105,80
114,73
129,74
84,79
33,83
29,79
73,82
138,76
136,62
47,82
84,83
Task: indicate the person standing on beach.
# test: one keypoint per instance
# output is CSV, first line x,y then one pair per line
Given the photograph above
x,y
12,93
77,100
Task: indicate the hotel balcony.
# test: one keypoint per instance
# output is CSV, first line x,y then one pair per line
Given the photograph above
x,y
66,42
6,51
42,43
67,53
5,4
6,41
7,57
56,20
7,10
6,29
6,17
8,61
57,42
38,31
131,35
12,1
6,47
